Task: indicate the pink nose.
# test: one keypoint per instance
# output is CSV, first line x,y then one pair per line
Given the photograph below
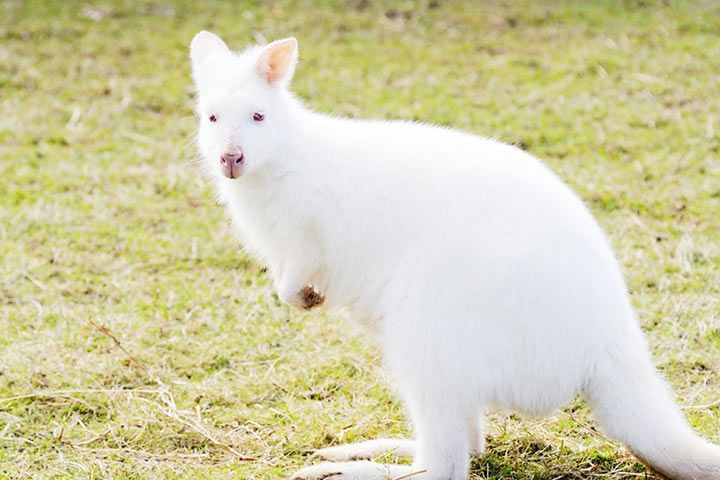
x,y
231,157
231,162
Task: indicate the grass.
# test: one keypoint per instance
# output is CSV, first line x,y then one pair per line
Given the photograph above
x,y
138,342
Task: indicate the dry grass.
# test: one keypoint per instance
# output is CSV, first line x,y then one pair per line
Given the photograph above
x,y
138,343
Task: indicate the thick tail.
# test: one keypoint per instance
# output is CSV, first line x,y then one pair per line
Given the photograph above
x,y
634,405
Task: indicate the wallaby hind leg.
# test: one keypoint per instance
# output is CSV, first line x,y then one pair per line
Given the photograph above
x,y
360,470
380,447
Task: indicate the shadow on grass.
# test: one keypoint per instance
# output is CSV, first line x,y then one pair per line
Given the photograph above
x,y
522,458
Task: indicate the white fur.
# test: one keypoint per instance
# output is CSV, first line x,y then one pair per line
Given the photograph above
x,y
390,447
359,470
484,278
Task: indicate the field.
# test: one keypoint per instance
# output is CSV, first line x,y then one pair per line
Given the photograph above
x,y
137,341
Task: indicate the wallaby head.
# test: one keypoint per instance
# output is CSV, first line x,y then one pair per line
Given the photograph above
x,y
243,104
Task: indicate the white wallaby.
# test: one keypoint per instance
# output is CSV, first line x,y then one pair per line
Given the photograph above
x,y
484,278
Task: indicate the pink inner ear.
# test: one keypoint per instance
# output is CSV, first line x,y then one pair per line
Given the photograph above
x,y
275,63
275,69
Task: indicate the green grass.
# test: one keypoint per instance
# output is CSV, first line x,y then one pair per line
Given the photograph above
x,y
136,341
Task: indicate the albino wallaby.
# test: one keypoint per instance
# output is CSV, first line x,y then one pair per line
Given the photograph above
x,y
484,278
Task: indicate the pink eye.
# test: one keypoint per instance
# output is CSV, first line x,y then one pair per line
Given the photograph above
x,y
258,117
212,118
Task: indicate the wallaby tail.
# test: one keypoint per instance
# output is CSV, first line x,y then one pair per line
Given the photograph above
x,y
634,405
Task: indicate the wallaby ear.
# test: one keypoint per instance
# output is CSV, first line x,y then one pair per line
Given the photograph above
x,y
277,60
203,45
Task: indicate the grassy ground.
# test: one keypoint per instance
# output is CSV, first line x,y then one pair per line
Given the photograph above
x,y
137,342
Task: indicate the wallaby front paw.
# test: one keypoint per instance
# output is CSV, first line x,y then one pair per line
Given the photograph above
x,y
310,297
